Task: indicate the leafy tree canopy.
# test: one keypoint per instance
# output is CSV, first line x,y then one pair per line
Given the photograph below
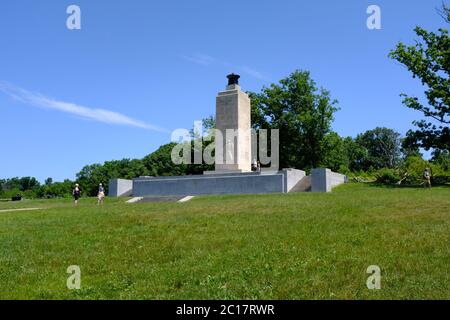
x,y
303,114
429,60
383,147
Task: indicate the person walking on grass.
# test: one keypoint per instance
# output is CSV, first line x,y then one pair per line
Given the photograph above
x,y
76,193
426,178
101,194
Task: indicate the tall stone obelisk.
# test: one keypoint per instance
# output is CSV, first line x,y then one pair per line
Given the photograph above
x,y
233,151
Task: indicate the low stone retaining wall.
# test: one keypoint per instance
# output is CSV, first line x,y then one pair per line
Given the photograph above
x,y
120,188
324,180
231,183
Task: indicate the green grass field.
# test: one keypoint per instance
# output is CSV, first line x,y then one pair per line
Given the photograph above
x,y
291,246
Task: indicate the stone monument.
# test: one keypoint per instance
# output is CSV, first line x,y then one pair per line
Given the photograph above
x,y
233,153
233,150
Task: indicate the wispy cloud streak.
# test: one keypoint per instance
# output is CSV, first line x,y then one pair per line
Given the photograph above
x,y
254,73
99,115
199,58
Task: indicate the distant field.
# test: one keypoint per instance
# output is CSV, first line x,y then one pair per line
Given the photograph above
x,y
294,246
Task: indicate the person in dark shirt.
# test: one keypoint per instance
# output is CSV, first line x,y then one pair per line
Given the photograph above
x,y
76,193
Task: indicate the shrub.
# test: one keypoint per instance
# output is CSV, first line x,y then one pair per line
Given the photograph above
x,y
8,194
387,176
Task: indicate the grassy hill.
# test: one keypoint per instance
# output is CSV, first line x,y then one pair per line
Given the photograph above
x,y
282,246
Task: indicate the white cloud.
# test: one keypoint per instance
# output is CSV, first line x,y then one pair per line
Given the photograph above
x,y
199,58
254,73
100,115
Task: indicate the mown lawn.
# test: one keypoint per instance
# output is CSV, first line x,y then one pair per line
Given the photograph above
x,y
294,246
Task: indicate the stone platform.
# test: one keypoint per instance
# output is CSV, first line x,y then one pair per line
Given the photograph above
x,y
283,181
221,183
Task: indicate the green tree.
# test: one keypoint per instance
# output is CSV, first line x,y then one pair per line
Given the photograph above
x,y
357,154
383,148
89,177
62,189
125,169
28,183
209,123
442,158
336,154
48,181
301,112
12,184
92,175
429,60
445,12
55,189
409,149
159,163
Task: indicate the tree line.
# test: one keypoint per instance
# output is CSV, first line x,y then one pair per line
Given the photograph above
x,y
377,155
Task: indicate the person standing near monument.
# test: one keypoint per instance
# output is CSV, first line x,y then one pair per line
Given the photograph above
x,y
76,193
101,194
426,178
254,165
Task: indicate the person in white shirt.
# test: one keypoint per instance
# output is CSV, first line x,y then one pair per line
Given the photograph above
x,y
101,194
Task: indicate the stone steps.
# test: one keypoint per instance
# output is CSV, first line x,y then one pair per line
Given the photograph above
x,y
304,185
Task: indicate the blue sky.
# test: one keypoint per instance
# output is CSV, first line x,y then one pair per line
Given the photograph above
x,y
139,69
